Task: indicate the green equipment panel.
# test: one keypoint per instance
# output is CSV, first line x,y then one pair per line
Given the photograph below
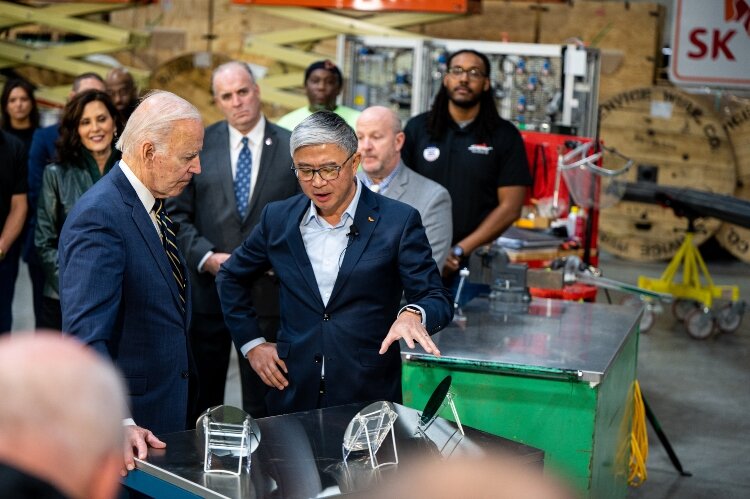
x,y
559,378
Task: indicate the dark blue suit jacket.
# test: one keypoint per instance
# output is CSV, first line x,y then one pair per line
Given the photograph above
x,y
390,255
119,296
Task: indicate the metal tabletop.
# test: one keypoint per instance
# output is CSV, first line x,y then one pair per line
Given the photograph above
x,y
555,338
300,456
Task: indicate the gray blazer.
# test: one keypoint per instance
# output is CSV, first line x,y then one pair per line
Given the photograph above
x,y
207,212
433,203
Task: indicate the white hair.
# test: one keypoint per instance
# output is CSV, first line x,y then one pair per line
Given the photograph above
x,y
153,120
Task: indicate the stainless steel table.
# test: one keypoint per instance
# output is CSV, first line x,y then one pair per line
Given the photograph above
x,y
300,457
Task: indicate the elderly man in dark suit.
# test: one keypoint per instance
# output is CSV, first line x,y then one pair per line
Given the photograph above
x,y
217,211
123,284
343,256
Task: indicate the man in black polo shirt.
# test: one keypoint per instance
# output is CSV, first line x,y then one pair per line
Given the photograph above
x,y
13,187
464,145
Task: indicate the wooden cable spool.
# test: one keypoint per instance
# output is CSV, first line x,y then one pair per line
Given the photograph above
x,y
733,238
675,140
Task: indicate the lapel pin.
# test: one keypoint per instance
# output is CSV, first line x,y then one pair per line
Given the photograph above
x,y
370,219
269,141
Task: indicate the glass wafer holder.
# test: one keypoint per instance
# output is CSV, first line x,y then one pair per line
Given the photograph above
x,y
229,435
440,398
368,430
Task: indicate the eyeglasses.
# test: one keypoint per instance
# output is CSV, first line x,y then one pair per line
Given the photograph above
x,y
326,173
473,73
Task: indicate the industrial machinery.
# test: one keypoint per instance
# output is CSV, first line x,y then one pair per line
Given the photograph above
x,y
703,306
547,88
509,283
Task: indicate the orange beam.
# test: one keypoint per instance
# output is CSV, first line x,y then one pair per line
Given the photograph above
x,y
443,6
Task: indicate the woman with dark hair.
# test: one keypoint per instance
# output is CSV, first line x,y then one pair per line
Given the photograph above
x,y
19,110
20,117
85,152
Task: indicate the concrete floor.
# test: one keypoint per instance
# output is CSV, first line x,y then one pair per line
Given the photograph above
x,y
698,390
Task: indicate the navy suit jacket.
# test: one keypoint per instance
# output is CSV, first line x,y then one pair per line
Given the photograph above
x,y
118,295
207,211
390,255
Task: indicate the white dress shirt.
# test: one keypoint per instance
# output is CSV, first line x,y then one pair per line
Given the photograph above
x,y
255,144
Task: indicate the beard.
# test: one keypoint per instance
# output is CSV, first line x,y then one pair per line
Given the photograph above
x,y
471,100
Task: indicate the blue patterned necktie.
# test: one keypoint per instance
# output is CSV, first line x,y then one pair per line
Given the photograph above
x,y
242,178
169,239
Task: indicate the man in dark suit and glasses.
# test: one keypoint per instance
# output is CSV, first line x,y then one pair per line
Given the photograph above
x,y
245,161
344,256
123,288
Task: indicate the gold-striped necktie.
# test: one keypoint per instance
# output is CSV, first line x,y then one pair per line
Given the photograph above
x,y
169,239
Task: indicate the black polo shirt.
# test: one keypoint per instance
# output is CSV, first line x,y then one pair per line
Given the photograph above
x,y
471,170
13,169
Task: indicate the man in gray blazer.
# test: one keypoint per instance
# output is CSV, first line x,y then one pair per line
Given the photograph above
x,y
380,141
246,164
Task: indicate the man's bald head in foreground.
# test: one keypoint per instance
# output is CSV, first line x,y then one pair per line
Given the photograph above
x,y
61,414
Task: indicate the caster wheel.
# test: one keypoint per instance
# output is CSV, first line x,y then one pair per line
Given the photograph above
x,y
649,316
680,308
728,319
700,323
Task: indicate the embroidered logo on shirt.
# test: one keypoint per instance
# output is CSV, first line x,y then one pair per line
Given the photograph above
x,y
480,149
431,153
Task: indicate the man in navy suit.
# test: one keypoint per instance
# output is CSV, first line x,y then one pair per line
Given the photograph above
x,y
215,218
123,286
343,255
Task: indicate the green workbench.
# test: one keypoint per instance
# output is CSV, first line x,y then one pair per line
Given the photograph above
x,y
559,378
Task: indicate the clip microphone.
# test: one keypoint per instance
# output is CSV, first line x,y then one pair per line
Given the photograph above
x,y
353,231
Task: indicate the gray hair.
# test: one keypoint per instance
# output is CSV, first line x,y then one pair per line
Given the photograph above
x,y
153,120
228,65
324,127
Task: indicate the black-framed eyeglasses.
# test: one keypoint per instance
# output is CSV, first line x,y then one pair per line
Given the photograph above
x,y
473,73
327,173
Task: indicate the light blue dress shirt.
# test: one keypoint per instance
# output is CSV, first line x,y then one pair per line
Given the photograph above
x,y
326,246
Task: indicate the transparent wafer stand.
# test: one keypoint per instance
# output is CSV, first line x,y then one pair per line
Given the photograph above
x,y
229,435
440,397
368,430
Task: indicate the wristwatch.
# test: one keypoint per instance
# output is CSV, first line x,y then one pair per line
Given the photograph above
x,y
457,251
413,310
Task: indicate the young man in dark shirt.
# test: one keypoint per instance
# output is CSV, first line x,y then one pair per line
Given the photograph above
x,y
464,145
